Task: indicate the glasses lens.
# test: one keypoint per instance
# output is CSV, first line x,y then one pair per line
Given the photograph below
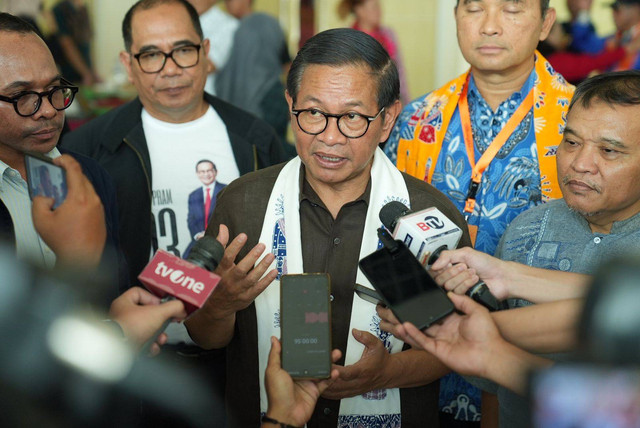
x,y
61,98
151,61
352,125
312,121
186,56
28,104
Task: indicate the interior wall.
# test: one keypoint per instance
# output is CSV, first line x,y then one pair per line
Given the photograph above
x,y
425,30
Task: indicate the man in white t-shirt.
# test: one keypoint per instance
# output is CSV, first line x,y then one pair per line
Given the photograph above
x,y
219,27
149,146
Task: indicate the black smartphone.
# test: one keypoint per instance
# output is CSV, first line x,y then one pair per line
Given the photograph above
x,y
405,286
305,323
368,294
45,178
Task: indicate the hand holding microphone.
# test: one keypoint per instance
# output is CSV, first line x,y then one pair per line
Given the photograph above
x,y
427,233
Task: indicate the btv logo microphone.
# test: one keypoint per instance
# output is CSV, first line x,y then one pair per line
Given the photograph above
x,y
167,274
425,232
430,222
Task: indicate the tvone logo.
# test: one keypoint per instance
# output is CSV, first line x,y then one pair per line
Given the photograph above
x,y
431,222
178,277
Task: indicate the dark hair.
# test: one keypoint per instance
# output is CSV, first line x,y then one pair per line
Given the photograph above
x,y
206,161
149,4
346,46
12,24
544,6
615,88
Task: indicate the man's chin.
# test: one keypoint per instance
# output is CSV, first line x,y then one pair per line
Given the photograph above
x,y
584,213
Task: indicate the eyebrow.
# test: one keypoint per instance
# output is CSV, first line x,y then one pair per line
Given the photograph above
x,y
348,104
611,141
153,48
23,84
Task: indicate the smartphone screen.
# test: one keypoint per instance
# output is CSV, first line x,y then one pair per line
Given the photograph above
x,y
305,322
45,178
405,286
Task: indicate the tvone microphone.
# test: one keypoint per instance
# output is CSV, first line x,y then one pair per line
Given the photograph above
x,y
190,280
427,233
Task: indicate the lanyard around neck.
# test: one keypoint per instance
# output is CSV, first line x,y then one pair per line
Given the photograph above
x,y
495,146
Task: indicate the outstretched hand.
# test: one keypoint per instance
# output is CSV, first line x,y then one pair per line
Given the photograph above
x,y
464,342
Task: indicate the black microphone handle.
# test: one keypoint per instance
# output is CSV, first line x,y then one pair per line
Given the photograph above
x,y
480,293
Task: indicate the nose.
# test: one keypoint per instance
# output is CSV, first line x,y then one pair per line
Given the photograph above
x,y
584,160
46,110
331,134
170,67
491,25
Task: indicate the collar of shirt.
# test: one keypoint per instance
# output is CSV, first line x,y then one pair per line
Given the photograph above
x,y
514,99
486,123
307,192
5,170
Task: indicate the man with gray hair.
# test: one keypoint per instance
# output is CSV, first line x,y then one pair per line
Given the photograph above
x,y
319,213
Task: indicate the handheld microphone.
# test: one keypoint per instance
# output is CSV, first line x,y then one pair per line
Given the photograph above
x,y
190,280
427,233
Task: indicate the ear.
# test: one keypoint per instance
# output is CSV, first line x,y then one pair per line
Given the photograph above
x,y
206,45
391,113
125,60
289,99
547,22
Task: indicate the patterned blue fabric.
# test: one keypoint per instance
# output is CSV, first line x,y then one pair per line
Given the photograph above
x,y
369,421
510,185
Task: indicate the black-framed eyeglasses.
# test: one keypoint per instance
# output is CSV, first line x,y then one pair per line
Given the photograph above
x,y
185,56
351,125
27,103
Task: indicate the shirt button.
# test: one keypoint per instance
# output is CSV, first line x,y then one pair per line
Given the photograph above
x,y
336,241
327,411
331,297
597,239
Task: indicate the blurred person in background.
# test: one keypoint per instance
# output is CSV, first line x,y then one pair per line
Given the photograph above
x,y
219,27
575,66
626,16
369,20
252,78
73,34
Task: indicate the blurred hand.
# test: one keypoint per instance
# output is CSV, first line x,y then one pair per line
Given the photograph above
x,y
76,230
141,314
292,401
